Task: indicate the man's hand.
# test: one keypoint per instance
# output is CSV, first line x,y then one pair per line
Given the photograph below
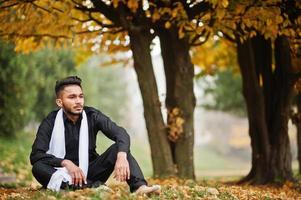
x,y
77,175
122,169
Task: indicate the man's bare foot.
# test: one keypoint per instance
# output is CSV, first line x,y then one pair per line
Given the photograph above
x,y
144,189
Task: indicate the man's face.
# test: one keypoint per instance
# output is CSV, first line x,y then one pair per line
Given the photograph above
x,y
71,99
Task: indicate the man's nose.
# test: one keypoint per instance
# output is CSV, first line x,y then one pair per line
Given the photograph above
x,y
78,100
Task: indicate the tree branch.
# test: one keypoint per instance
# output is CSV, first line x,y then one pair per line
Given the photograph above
x,y
8,6
199,43
228,37
34,35
83,8
40,7
100,23
197,9
81,20
85,32
114,31
107,11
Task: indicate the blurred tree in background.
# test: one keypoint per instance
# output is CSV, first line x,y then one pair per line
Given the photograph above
x,y
15,87
101,88
219,75
49,65
225,92
27,85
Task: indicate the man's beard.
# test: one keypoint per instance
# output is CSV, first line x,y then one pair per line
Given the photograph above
x,y
68,111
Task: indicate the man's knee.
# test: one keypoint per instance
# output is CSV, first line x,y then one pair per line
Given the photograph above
x,y
35,169
42,172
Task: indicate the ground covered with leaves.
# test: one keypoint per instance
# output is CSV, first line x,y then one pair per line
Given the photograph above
x,y
14,163
171,189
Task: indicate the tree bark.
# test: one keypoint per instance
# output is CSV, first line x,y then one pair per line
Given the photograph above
x,y
281,159
262,50
256,114
179,73
160,149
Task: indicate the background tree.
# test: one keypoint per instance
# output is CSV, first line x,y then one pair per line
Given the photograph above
x,y
296,119
296,108
267,88
14,82
104,86
49,65
219,75
224,92
26,85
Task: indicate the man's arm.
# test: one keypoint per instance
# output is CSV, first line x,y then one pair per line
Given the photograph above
x,y
41,146
122,168
122,139
113,131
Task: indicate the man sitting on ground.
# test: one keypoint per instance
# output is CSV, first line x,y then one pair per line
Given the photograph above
x,y
64,151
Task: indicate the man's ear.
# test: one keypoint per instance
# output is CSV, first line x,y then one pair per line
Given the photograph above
x,y
59,103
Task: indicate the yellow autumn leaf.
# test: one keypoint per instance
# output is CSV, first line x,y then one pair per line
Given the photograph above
x,y
167,25
239,9
181,32
156,16
133,5
179,121
225,3
115,3
279,19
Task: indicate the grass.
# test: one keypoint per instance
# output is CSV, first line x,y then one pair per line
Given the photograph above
x,y
171,189
14,155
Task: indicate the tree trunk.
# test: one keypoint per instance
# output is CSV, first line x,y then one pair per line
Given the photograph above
x,y
160,149
262,50
256,114
281,159
180,99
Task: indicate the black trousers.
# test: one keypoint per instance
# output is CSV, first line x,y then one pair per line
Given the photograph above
x,y
100,169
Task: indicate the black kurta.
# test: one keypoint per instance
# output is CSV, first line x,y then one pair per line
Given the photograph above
x,y
97,121
100,166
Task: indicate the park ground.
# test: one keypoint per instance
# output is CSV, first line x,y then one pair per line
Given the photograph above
x,y
217,183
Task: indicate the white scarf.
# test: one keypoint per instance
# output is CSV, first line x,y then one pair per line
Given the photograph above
x,y
57,148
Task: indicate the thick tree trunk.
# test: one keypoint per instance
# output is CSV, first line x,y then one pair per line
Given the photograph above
x,y
160,149
281,159
179,72
256,114
262,50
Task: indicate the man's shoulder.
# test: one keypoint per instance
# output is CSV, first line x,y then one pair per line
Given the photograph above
x,y
50,118
91,110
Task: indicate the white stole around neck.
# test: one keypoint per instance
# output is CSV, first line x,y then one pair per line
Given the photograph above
x,y
57,148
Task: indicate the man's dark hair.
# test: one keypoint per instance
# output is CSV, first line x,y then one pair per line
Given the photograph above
x,y
70,80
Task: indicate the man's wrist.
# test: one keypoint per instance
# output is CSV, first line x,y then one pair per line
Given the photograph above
x,y
64,163
121,154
